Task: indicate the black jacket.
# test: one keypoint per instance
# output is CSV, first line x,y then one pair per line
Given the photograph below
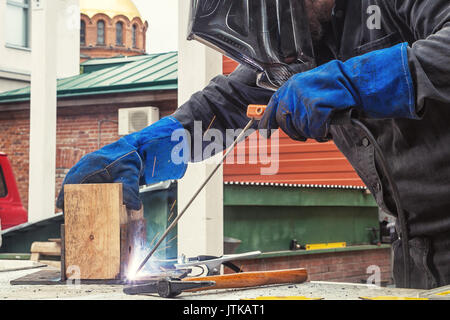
x,y
417,151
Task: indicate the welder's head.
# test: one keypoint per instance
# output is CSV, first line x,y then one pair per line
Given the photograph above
x,y
274,37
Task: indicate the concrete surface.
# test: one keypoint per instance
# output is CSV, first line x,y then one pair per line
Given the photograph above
x,y
323,290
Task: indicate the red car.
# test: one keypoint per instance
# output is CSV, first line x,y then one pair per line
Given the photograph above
x,y
12,212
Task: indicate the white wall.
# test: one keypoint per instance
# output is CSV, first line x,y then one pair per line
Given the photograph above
x,y
15,63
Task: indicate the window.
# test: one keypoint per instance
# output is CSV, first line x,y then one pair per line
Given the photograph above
x,y
119,33
101,32
17,23
134,33
83,32
3,189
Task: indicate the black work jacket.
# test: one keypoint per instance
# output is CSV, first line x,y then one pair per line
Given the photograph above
x,y
417,151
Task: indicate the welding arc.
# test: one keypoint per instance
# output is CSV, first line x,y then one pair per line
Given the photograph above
x,y
174,223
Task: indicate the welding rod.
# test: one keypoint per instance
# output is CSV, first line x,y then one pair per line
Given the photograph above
x,y
254,113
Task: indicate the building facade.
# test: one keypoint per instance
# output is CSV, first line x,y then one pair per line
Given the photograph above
x,y
16,45
110,28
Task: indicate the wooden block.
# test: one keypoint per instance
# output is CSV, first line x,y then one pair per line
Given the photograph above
x,y
46,248
34,257
124,250
133,239
93,214
137,238
123,215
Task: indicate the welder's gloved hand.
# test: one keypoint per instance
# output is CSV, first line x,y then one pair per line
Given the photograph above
x,y
376,85
144,157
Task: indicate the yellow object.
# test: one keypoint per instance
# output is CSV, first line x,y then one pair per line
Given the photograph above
x,y
284,298
443,293
111,8
391,298
320,246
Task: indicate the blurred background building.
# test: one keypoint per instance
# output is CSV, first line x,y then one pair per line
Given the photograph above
x,y
110,28
16,42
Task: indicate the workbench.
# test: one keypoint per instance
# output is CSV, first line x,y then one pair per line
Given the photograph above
x,y
309,290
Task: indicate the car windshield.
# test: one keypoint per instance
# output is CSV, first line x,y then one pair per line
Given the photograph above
x,y
3,190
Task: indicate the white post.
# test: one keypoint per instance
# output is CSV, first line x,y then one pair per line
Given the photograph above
x,y
41,203
68,34
200,231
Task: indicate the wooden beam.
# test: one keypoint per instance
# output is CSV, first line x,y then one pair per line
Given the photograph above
x,y
93,214
133,239
46,248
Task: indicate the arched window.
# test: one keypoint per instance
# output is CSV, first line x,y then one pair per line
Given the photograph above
x,y
83,32
119,33
101,32
134,36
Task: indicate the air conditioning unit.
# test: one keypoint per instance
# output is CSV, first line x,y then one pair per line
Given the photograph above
x,y
135,119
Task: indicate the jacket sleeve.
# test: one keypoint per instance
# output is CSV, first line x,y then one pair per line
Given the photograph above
x,y
429,54
221,106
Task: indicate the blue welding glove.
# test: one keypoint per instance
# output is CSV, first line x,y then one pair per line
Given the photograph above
x,y
376,85
144,157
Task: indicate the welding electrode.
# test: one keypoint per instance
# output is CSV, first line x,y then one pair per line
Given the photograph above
x,y
254,112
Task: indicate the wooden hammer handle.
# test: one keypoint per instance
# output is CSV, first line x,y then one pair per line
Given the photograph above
x,y
253,279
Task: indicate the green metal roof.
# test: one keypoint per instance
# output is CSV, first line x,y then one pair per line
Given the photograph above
x,y
115,75
102,63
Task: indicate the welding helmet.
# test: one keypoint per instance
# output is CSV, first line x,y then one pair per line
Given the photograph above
x,y
270,36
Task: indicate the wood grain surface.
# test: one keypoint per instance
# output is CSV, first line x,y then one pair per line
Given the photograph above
x,y
92,229
254,279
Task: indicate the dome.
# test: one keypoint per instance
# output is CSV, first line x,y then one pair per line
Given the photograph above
x,y
111,8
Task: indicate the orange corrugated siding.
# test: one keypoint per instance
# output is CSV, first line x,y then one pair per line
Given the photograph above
x,y
304,163
228,65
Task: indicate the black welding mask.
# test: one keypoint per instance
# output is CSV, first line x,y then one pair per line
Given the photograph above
x,y
270,36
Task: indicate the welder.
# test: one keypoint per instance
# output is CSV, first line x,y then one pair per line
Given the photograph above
x,y
373,75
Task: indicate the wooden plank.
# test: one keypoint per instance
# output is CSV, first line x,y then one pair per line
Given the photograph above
x,y
92,229
133,238
46,248
34,257
137,237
